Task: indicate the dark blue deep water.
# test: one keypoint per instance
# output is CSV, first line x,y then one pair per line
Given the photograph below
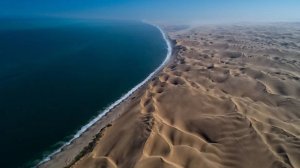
x,y
55,76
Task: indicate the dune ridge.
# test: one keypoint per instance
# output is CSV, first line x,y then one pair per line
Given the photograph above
x,y
229,98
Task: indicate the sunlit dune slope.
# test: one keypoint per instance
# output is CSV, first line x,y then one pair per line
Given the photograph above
x,y
229,98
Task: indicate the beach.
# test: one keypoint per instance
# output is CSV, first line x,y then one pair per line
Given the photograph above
x,y
66,154
58,77
229,96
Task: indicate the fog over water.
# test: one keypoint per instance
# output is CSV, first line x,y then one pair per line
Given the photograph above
x,y
170,11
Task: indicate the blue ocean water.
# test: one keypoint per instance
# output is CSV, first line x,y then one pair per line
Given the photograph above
x,y
55,76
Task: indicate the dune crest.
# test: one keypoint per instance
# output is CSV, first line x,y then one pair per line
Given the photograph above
x,y
229,98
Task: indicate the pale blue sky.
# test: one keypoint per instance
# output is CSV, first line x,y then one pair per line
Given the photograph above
x,y
159,10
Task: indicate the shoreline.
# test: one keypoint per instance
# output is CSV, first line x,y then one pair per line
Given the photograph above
x,y
102,116
221,89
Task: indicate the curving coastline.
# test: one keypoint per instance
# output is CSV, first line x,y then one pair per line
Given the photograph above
x,y
204,106
224,100
116,103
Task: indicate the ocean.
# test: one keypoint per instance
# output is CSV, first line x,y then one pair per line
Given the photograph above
x,y
56,75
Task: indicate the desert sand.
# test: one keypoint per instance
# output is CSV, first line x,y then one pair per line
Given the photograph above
x,y
230,97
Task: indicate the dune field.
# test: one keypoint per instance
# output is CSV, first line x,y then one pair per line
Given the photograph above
x,y
229,98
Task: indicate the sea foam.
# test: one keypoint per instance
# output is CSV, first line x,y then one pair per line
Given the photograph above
x,y
121,99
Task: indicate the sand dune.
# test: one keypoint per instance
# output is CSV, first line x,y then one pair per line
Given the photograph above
x,y
229,98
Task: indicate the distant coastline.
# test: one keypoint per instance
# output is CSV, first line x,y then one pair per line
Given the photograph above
x,y
116,103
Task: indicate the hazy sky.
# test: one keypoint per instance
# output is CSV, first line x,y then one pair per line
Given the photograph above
x,y
158,10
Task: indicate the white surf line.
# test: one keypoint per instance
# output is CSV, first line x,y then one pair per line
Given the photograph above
x,y
130,92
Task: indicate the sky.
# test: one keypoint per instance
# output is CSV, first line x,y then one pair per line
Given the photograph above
x,y
173,11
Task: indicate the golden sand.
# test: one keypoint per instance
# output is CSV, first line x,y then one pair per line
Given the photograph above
x,y
229,98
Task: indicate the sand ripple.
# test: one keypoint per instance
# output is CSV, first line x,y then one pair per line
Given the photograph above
x,y
230,98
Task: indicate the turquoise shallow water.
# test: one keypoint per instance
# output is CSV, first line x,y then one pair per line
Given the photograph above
x,y
55,76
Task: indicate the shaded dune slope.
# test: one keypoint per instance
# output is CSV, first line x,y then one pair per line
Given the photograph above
x,y
230,98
